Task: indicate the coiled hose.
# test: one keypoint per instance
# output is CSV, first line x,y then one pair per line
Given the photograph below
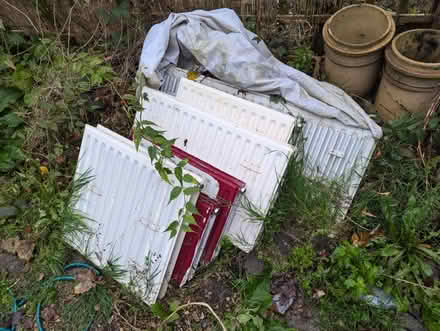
x,y
18,303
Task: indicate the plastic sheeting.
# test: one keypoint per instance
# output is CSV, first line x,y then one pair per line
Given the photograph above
x,y
217,41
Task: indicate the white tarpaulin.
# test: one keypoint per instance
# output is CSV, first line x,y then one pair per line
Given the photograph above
x,y
218,41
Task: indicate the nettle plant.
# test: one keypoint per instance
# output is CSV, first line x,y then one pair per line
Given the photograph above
x,y
161,156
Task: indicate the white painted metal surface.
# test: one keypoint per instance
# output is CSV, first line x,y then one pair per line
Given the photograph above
x,y
332,150
258,161
127,204
210,185
239,112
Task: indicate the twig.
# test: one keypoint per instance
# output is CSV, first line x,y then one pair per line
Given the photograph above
x,y
194,304
39,18
55,18
125,320
24,14
435,105
432,109
355,223
411,283
90,39
68,20
13,284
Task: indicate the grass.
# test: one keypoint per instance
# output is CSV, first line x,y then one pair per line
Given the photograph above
x,y
397,206
51,217
90,309
304,202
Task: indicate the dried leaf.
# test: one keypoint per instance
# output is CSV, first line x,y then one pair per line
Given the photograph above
x,y
27,323
384,193
60,159
25,249
9,245
76,136
354,239
87,281
49,313
83,287
360,239
27,229
367,213
10,64
319,294
192,75
17,317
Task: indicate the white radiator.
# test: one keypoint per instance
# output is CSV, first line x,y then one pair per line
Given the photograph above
x,y
128,211
258,161
239,112
210,184
332,150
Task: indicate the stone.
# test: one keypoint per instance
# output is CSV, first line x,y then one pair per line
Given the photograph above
x,y
253,265
409,323
11,264
25,249
307,321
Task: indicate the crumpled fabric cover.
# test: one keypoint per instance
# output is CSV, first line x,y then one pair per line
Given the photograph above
x,y
217,41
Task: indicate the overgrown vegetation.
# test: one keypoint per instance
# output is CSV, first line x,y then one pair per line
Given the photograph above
x,y
303,60
51,86
390,240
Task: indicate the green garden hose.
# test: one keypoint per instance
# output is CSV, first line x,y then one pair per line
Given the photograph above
x,y
16,304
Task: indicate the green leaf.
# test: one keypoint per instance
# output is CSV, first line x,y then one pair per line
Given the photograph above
x,y
189,179
172,228
191,208
146,123
158,311
178,172
137,139
163,173
157,140
152,153
22,78
8,96
426,268
430,253
258,322
174,305
189,220
244,318
182,163
31,99
191,190
389,251
261,295
12,120
187,228
175,193
349,283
